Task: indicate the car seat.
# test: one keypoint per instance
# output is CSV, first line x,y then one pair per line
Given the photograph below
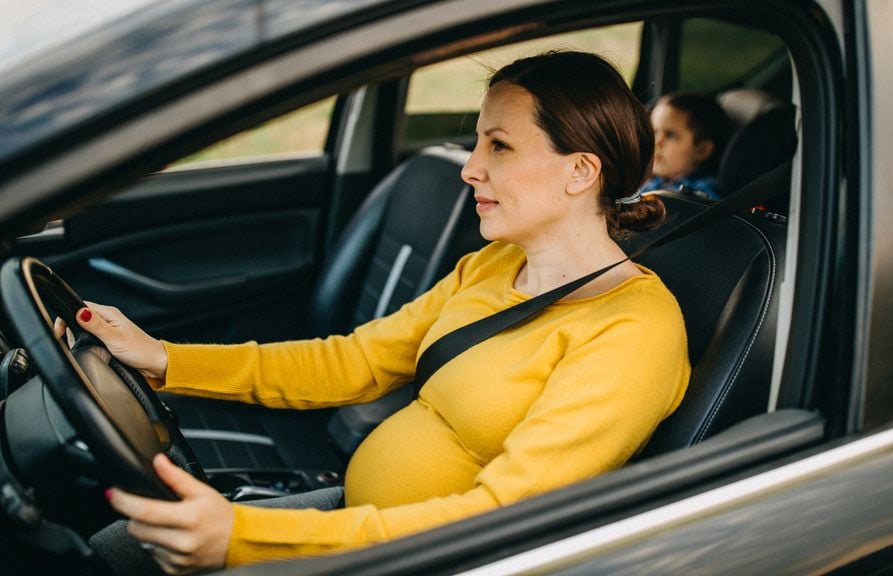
x,y
726,279
730,320
408,233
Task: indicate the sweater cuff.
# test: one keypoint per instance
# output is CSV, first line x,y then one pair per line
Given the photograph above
x,y
158,384
265,534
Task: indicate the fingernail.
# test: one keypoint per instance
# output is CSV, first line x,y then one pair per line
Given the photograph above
x,y
108,494
85,315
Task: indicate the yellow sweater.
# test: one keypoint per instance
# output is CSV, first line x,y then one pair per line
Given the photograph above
x,y
571,394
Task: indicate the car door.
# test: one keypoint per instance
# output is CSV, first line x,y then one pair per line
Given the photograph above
x,y
220,247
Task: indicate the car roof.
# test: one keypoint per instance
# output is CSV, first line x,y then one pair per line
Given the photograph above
x,y
145,51
29,29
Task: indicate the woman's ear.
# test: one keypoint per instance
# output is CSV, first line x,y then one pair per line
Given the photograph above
x,y
587,172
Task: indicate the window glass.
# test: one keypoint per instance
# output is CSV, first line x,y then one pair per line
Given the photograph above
x,y
444,98
303,131
717,55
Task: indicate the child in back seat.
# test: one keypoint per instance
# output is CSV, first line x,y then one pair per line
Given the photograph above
x,y
690,131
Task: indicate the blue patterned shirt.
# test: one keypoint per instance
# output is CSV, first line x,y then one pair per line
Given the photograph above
x,y
698,186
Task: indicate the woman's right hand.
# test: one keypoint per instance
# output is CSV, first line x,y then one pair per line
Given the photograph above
x,y
125,340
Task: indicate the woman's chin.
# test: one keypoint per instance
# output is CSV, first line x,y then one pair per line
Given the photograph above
x,y
489,233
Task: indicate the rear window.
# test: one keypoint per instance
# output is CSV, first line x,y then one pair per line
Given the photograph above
x,y
716,55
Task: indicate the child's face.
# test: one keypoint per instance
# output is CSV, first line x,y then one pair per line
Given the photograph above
x,y
676,154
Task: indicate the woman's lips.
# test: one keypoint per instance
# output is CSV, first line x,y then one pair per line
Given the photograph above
x,y
484,204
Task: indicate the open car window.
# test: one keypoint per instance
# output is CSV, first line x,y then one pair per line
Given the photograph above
x,y
443,99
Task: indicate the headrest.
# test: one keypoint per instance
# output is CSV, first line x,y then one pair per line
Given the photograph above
x,y
743,105
757,147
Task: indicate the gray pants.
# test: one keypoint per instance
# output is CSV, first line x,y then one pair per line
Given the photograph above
x,y
124,556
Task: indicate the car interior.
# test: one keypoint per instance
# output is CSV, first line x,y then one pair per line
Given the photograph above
x,y
420,219
416,223
310,244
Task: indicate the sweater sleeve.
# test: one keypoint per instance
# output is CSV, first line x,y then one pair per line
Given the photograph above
x,y
599,405
376,358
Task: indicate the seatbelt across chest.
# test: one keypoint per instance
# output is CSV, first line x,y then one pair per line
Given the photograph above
x,y
454,343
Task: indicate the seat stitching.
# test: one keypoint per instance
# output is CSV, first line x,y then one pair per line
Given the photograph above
x,y
765,310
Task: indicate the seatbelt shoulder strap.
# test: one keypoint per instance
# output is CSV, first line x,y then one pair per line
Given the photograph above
x,y
454,343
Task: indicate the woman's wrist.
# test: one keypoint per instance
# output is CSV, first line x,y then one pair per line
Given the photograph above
x,y
157,366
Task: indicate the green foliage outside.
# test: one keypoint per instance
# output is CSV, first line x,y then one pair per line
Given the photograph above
x,y
444,98
304,130
716,54
459,85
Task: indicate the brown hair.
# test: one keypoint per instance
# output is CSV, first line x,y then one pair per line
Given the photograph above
x,y
584,105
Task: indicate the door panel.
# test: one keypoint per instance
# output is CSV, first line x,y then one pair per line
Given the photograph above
x,y
215,254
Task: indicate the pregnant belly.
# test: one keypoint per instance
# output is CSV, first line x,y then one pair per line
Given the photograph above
x,y
412,456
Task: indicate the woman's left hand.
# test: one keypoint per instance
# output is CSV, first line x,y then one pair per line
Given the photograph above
x,y
186,536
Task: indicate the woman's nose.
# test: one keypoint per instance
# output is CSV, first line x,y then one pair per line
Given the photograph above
x,y
472,172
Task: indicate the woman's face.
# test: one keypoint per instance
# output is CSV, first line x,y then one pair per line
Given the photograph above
x,y
519,180
676,154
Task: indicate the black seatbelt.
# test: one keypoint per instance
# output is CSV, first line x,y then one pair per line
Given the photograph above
x,y
451,345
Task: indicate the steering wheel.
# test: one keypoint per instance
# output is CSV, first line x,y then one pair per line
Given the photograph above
x,y
111,407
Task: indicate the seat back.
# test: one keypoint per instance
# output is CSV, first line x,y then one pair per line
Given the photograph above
x,y
410,230
726,278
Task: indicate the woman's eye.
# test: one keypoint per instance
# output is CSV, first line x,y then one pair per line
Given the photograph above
x,y
498,145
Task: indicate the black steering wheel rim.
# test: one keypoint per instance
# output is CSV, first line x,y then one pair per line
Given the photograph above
x,y
123,444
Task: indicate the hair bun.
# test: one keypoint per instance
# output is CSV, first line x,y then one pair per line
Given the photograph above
x,y
647,214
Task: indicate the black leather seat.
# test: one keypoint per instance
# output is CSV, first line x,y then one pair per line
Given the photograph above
x,y
726,279
409,232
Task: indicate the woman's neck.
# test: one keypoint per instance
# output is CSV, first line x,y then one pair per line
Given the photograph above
x,y
562,260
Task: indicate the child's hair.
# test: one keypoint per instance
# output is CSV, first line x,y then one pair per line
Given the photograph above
x,y
707,121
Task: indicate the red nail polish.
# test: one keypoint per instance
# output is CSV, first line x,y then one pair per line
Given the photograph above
x,y
108,494
86,315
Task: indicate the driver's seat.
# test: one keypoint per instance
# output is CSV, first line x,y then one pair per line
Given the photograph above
x,y
726,279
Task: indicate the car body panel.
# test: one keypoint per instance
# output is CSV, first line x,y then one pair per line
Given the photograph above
x,y
874,89
812,502
800,518
140,55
